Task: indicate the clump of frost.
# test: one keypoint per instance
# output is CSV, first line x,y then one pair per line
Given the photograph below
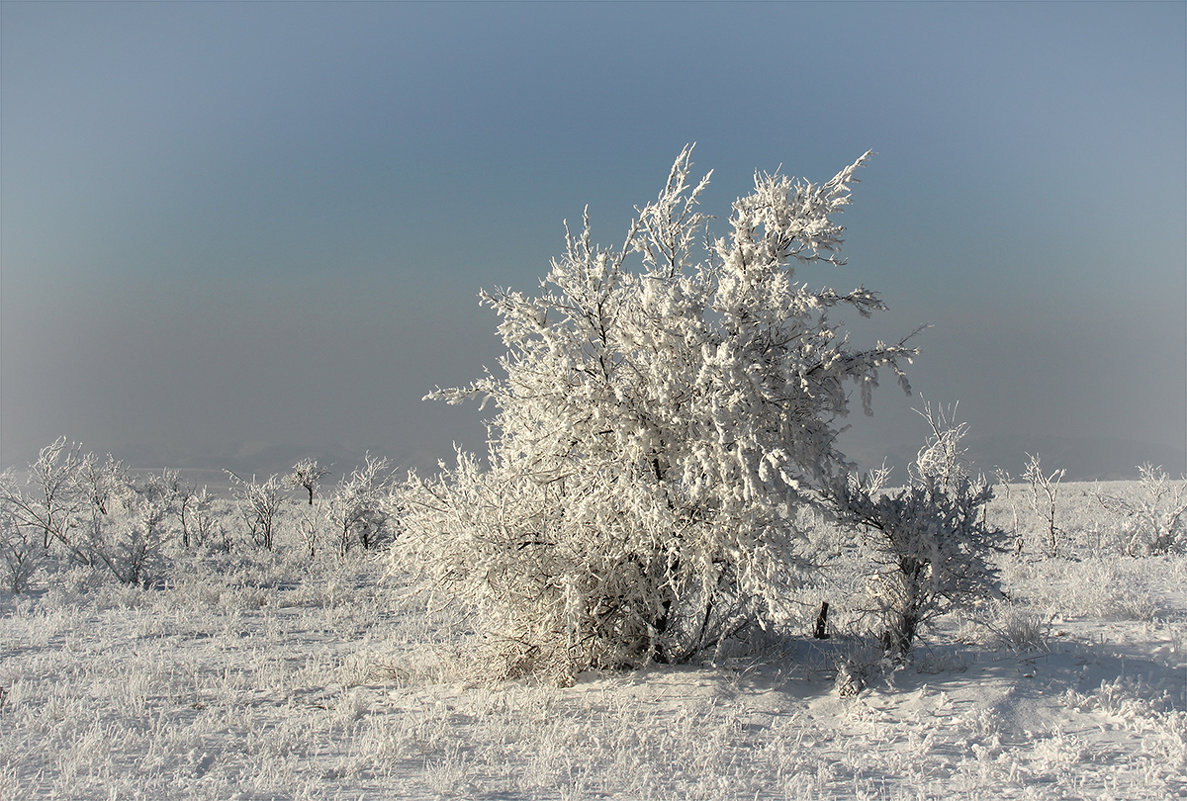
x,y
1019,628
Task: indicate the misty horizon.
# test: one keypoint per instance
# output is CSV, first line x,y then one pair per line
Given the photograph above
x,y
241,234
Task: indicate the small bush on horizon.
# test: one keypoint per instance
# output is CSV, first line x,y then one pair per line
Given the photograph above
x,y
360,510
1152,520
307,475
1044,491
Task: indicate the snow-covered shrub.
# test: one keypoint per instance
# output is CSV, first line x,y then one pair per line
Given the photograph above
x,y
307,475
659,421
1004,491
1044,489
88,511
1153,520
129,543
199,527
1019,627
929,541
20,550
858,666
258,504
359,510
192,509
50,501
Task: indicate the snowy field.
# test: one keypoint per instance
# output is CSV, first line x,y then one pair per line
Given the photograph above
x,y
271,675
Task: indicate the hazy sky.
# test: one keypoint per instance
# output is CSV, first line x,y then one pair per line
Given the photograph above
x,y
235,232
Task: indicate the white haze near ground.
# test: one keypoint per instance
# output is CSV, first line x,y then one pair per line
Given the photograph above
x,y
257,675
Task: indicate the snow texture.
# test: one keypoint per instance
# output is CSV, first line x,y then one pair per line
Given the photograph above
x,y
265,675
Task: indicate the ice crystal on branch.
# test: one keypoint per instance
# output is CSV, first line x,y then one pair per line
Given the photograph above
x,y
662,409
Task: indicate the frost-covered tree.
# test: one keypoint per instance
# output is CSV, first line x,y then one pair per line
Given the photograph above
x,y
1044,488
307,474
258,504
21,552
358,510
663,408
928,541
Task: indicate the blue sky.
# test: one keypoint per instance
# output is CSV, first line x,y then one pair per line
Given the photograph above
x,y
235,232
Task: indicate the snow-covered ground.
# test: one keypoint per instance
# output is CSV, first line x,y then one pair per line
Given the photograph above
x,y
267,676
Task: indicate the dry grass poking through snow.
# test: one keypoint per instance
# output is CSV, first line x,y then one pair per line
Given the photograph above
x,y
265,677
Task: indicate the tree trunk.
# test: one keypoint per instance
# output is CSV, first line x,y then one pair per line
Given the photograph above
x,y
822,622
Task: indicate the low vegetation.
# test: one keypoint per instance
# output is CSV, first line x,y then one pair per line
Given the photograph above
x,y
240,671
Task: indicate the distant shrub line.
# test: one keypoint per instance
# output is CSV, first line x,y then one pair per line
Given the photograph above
x,y
75,508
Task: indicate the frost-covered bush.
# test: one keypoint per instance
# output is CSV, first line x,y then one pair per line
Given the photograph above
x,y
929,541
1044,488
1153,519
359,510
86,511
664,409
307,474
862,661
199,527
21,552
258,504
129,538
51,501
1004,491
1019,627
